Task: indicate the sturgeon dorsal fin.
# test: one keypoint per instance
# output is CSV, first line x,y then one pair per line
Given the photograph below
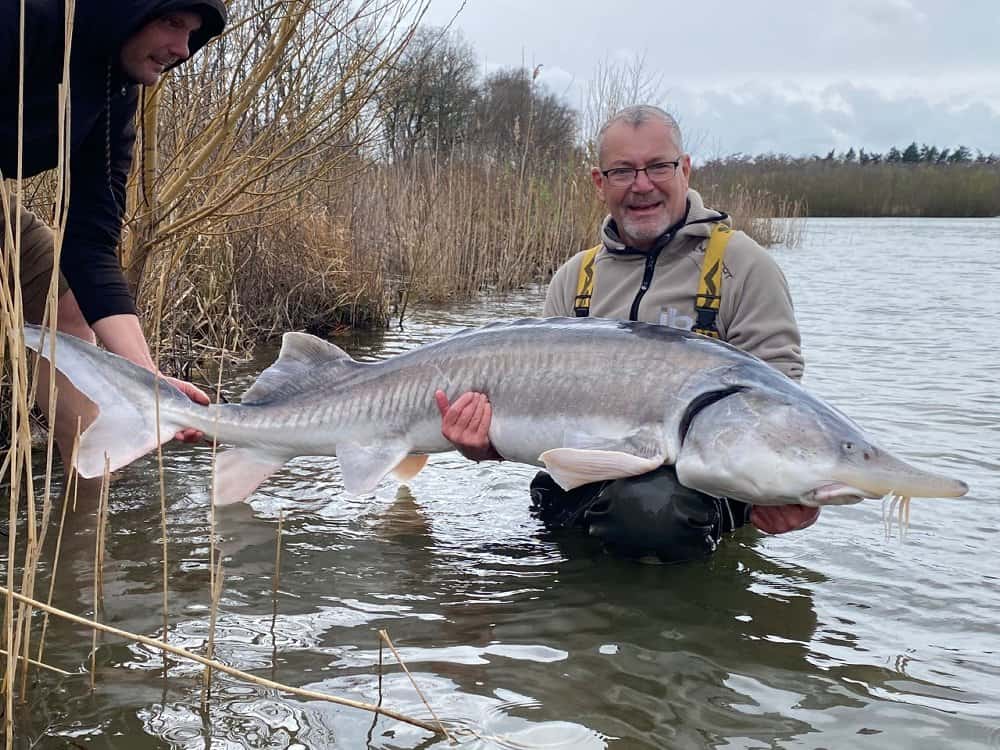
x,y
301,354
309,349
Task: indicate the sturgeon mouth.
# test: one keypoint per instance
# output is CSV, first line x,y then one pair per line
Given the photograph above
x,y
835,493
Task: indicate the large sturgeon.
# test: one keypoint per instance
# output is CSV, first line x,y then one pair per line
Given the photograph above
x,y
589,399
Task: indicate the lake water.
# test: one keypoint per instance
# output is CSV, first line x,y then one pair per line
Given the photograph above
x,y
833,637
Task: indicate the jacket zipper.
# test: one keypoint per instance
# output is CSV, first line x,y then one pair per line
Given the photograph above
x,y
647,278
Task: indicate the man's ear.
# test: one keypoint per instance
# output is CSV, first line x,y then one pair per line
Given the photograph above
x,y
598,179
686,165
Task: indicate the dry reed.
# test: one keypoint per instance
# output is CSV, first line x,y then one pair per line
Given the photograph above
x,y
214,568
164,533
769,218
72,488
384,635
102,504
217,581
39,663
15,363
276,579
219,666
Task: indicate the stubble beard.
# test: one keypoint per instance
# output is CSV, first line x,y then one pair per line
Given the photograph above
x,y
641,232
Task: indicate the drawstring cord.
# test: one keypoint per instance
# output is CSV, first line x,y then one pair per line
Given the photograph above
x,y
107,131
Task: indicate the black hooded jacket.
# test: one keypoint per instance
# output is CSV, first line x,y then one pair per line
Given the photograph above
x,y
102,132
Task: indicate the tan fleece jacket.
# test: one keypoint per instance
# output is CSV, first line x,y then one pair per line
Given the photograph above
x,y
756,312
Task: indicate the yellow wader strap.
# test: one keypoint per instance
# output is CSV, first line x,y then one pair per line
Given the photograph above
x,y
706,304
585,283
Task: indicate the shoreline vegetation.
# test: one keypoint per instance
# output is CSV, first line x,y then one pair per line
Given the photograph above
x,y
914,181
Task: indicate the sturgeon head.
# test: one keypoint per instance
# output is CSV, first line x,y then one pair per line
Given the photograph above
x,y
769,442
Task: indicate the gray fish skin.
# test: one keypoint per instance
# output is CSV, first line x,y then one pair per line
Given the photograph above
x,y
588,398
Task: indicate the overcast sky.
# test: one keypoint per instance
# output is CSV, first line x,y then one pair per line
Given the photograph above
x,y
793,76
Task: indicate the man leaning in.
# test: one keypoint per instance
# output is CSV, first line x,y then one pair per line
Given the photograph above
x,y
663,258
116,48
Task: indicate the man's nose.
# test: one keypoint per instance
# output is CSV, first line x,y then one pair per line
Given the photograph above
x,y
642,183
179,46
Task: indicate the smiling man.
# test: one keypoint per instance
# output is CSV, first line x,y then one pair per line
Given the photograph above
x,y
158,45
116,47
663,258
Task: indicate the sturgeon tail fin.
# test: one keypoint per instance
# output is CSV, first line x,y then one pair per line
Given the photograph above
x,y
125,395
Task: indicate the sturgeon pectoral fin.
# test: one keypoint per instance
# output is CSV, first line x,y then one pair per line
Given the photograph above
x,y
410,466
643,442
240,471
364,466
572,467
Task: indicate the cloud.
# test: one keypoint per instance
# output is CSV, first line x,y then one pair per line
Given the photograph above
x,y
789,119
788,75
557,80
890,13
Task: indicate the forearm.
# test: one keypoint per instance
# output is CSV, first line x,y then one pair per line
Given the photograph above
x,y
122,335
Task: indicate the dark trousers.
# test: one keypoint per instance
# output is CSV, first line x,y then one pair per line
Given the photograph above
x,y
648,515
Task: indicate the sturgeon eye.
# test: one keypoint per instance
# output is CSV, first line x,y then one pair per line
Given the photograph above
x,y
847,447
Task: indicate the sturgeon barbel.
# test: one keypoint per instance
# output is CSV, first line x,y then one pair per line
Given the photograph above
x,y
589,399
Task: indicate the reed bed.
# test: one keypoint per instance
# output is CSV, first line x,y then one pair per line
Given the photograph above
x,y
770,218
834,187
17,464
450,228
240,153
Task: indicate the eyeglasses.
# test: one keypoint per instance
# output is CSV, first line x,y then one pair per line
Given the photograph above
x,y
625,176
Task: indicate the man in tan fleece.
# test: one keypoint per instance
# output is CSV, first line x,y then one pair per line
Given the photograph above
x,y
653,243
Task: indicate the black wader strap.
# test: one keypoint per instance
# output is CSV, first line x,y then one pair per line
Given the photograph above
x,y
585,283
709,298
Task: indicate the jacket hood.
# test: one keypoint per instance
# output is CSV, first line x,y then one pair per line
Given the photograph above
x,y
696,223
117,20
98,85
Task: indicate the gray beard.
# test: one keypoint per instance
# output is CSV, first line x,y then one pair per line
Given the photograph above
x,y
644,233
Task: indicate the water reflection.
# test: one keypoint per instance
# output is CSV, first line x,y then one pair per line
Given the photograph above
x,y
679,638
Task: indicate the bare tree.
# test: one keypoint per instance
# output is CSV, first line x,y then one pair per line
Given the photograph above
x,y
253,133
515,116
617,84
427,103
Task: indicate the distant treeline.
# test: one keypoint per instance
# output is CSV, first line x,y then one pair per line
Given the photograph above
x,y
917,180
